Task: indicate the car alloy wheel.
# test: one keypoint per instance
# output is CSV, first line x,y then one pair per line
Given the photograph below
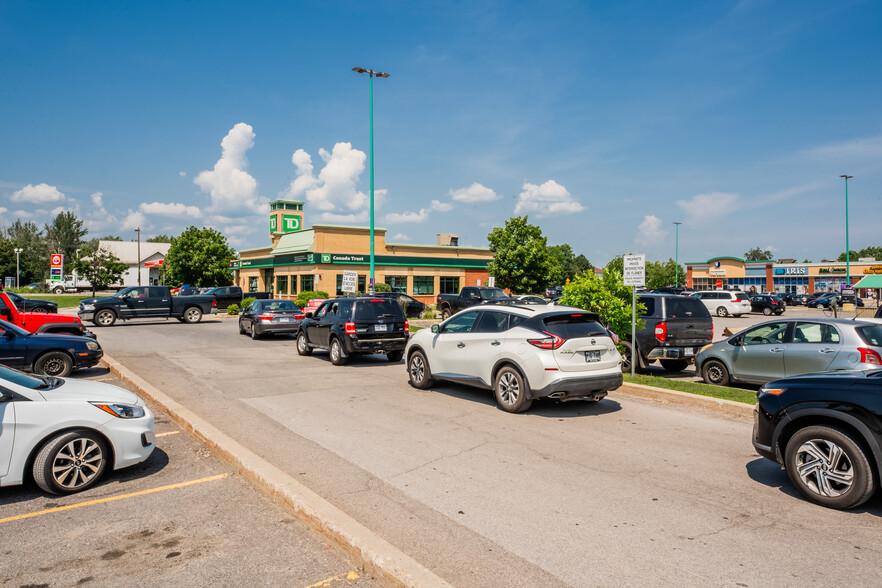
x,y
767,311
336,351
105,318
721,311
192,315
41,310
418,371
70,462
511,390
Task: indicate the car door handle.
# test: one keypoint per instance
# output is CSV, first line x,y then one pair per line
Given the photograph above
x,y
496,343
826,350
776,349
460,344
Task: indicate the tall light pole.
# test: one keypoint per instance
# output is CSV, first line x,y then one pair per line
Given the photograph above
x,y
138,230
18,252
371,75
677,255
847,252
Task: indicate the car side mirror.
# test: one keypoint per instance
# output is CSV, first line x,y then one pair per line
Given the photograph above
x,y
436,328
6,312
307,314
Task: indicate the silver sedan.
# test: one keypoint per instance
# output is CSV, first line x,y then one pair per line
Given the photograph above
x,y
784,348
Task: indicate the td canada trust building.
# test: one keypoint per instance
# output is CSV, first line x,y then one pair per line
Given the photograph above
x,y
300,259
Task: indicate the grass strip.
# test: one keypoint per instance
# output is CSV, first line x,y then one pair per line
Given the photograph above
x,y
63,300
723,392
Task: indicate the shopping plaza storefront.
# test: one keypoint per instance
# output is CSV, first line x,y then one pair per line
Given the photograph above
x,y
301,259
734,273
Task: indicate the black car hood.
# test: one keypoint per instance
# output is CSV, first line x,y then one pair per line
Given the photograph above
x,y
60,340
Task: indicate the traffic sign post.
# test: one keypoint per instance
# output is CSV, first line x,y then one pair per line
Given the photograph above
x,y
350,281
634,276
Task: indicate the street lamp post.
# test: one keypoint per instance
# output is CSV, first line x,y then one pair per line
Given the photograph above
x,y
847,251
18,252
677,255
371,75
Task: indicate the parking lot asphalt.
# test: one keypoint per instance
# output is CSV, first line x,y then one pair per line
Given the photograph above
x,y
621,492
181,518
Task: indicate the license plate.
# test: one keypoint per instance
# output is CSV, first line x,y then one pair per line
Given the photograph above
x,y
591,356
284,320
689,351
380,328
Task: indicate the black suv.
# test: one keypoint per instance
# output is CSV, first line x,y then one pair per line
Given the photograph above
x,y
767,304
348,326
675,329
826,430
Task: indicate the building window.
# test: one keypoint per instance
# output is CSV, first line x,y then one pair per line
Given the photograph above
x,y
282,284
449,285
340,285
398,283
423,285
252,283
307,283
361,284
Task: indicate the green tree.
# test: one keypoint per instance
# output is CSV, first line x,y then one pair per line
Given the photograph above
x,y
522,262
616,264
757,254
200,257
569,264
34,260
92,244
161,238
101,267
607,296
875,252
65,235
7,259
664,273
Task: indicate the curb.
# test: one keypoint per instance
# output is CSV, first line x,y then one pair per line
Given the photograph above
x,y
387,562
717,405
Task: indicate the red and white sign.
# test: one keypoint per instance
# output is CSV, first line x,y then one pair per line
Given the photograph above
x,y
719,283
156,263
56,260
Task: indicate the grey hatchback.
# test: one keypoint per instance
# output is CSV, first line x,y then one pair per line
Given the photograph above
x,y
784,348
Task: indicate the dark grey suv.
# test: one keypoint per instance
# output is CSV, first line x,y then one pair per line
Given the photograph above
x,y
675,329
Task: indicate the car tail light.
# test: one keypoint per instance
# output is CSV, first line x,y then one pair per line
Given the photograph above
x,y
265,317
661,331
614,337
869,356
550,342
300,316
350,328
214,302
406,326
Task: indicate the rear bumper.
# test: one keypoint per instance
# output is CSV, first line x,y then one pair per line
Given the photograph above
x,y
352,345
687,352
580,386
277,328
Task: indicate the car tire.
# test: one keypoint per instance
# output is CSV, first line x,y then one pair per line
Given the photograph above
x,y
70,462
394,356
721,311
767,311
58,291
510,390
54,363
445,314
338,356
303,347
105,318
674,365
627,354
40,310
418,371
813,453
241,330
192,315
254,334
714,372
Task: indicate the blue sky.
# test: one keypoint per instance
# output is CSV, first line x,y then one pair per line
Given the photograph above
x,y
604,121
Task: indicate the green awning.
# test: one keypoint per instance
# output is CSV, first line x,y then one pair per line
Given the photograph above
x,y
873,281
297,242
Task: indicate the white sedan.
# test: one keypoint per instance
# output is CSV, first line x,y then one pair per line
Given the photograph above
x,y
68,432
520,352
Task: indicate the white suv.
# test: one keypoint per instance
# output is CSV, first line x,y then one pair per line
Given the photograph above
x,y
520,352
724,302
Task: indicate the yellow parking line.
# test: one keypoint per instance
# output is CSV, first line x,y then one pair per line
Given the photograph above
x,y
168,433
337,578
112,498
100,379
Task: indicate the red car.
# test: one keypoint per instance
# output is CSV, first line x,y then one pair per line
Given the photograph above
x,y
38,322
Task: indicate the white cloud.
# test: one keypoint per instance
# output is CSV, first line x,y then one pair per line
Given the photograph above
x,y
703,208
474,193
98,200
183,174
408,217
173,209
546,200
133,220
650,231
858,150
232,189
442,206
333,191
400,237
3,210
39,194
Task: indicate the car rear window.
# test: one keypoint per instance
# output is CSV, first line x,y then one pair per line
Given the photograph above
x,y
370,309
682,307
280,305
574,326
649,303
871,335
741,297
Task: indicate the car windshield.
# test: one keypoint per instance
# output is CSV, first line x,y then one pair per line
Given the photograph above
x,y
27,381
280,305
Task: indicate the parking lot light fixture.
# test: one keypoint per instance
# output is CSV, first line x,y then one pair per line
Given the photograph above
x,y
371,75
18,252
677,255
847,252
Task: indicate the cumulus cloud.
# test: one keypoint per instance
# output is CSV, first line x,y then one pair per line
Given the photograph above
x,y
183,174
333,191
172,209
474,193
39,194
408,217
703,208
3,210
439,206
400,237
133,220
650,231
231,188
546,200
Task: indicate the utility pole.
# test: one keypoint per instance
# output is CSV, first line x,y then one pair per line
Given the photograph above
x,y
847,252
138,230
677,256
18,252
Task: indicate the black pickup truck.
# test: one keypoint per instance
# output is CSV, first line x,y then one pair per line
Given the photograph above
x,y
450,304
227,295
146,302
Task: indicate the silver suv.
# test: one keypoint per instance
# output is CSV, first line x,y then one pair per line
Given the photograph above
x,y
724,302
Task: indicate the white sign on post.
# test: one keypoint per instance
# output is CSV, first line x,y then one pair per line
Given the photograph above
x,y
635,270
350,281
491,281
